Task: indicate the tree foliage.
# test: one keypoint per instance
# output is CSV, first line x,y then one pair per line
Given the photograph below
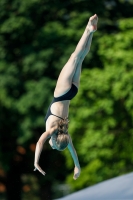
x,y
37,38
102,124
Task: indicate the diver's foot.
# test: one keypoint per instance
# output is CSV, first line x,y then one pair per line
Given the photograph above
x,y
92,24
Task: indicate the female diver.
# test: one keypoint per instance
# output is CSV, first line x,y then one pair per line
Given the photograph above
x,y
66,88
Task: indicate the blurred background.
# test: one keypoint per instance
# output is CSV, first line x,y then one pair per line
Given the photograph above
x,y
36,39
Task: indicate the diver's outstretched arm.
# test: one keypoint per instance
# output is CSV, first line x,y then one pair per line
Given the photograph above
x,y
72,150
39,147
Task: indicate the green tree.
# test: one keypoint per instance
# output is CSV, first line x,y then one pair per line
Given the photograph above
x,y
37,37
102,124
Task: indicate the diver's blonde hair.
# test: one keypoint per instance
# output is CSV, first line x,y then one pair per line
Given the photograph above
x,y
62,138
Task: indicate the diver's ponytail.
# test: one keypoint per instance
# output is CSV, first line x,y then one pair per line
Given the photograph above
x,y
62,138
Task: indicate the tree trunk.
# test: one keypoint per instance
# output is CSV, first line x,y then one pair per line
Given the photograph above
x,y
13,183
46,192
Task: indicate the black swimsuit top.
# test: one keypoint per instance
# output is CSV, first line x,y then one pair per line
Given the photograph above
x,y
67,96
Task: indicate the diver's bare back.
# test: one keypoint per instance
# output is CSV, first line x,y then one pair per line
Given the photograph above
x,y
60,108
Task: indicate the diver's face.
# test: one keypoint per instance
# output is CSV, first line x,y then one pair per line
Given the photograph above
x,y
51,143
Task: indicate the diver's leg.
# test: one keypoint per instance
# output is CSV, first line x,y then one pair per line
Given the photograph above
x,y
71,71
76,77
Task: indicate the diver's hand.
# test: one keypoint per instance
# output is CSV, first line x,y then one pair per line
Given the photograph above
x,y
37,167
77,171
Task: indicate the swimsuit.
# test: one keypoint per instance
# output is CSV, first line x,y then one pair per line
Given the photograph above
x,y
67,96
